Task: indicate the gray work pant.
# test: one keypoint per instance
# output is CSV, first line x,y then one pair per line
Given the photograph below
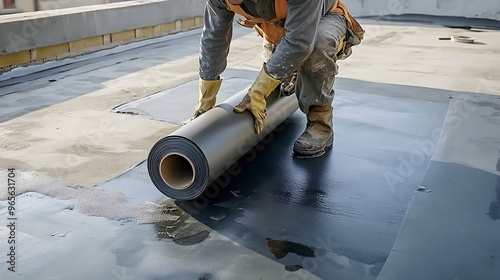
x,y
315,77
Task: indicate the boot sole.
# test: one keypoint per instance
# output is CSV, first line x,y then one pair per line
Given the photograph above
x,y
314,154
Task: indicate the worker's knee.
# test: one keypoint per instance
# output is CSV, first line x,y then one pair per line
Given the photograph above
x,y
323,55
320,63
326,44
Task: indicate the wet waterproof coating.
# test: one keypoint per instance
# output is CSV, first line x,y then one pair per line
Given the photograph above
x,y
184,163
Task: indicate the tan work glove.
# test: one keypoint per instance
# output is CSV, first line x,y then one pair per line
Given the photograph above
x,y
255,101
208,93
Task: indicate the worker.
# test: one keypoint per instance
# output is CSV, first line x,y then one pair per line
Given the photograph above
x,y
304,39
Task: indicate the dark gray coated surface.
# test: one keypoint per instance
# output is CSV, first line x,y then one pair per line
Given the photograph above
x,y
453,232
336,216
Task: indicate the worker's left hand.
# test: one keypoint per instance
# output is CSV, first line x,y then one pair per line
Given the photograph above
x,y
255,100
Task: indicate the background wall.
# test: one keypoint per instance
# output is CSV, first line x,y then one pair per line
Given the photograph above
x,y
467,8
61,4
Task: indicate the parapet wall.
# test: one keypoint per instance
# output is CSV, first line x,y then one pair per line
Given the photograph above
x,y
36,37
463,8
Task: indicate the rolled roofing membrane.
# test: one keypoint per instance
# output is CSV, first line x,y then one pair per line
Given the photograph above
x,y
185,162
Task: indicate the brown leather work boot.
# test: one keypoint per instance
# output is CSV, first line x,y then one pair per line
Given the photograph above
x,y
318,135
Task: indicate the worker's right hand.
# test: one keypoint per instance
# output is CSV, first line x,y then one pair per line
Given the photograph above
x,y
255,100
208,93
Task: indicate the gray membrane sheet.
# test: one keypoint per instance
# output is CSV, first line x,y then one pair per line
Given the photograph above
x,y
453,232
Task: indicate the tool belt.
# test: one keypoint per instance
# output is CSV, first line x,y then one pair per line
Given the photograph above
x,y
273,30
